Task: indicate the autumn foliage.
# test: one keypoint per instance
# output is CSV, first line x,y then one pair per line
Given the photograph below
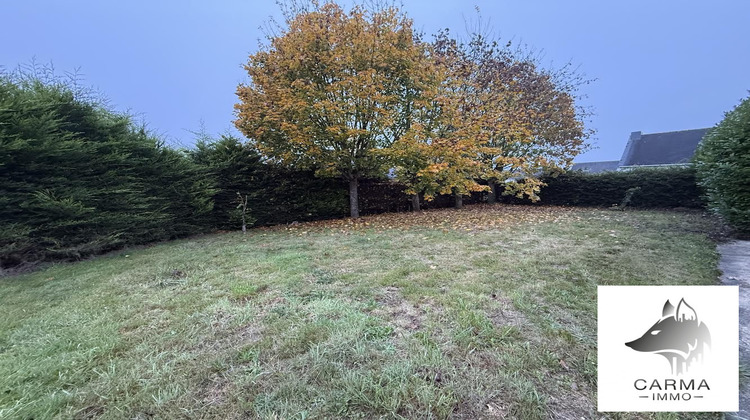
x,y
333,90
359,94
498,118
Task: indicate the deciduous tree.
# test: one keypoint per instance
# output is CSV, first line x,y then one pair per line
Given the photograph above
x,y
536,127
334,89
439,154
523,120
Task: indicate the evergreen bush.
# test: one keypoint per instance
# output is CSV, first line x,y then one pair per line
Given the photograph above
x,y
657,188
79,179
275,194
723,164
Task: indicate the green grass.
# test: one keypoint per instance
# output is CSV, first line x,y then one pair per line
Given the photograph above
x,y
321,321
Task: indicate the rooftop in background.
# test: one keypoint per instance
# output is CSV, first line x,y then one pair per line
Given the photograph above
x,y
670,148
656,149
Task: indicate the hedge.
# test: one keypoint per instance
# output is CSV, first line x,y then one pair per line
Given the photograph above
x,y
666,187
275,194
279,195
723,164
79,179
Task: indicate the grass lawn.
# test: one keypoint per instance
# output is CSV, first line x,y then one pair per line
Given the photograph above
x,y
486,312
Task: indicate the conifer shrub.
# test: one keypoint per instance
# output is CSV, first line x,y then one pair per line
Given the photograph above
x,y
723,164
79,179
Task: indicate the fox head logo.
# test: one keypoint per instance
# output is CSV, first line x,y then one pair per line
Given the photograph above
x,y
679,336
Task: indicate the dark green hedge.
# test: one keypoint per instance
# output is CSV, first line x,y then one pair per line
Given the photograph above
x,y
278,195
723,164
290,196
78,179
656,188
275,194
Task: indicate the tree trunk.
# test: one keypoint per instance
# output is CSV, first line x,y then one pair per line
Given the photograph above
x,y
492,195
354,198
459,200
243,205
415,202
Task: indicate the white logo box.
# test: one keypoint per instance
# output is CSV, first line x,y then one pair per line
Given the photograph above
x,y
632,380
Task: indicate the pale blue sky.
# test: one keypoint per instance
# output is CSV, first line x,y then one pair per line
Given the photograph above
x,y
661,65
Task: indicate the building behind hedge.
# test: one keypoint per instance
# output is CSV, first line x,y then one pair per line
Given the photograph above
x,y
672,148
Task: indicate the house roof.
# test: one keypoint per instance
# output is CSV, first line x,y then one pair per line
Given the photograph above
x,y
595,167
673,147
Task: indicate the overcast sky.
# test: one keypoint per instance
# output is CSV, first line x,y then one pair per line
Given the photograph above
x,y
660,65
